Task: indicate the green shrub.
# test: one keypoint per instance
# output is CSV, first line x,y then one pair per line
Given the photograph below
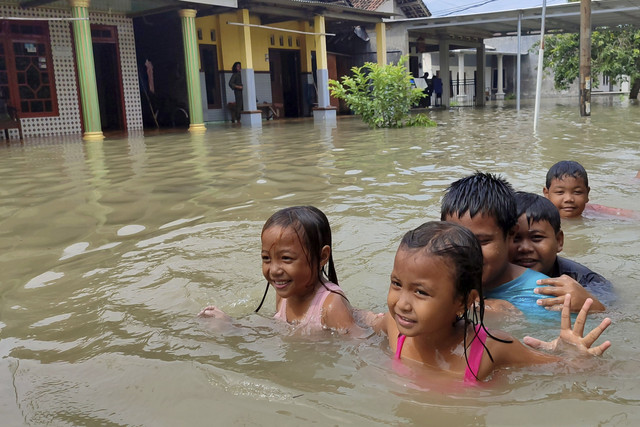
x,y
381,94
420,120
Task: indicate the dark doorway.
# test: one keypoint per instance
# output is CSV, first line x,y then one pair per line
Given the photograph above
x,y
284,66
209,63
108,76
414,68
338,65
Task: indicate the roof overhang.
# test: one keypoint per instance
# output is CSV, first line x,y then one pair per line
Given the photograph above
x,y
273,11
561,18
132,7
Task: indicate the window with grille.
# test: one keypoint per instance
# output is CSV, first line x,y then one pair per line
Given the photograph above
x,y
26,69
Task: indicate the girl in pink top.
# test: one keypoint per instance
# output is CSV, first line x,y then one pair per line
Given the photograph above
x,y
436,309
297,263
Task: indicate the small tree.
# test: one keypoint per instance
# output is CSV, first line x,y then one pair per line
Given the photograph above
x,y
381,94
615,52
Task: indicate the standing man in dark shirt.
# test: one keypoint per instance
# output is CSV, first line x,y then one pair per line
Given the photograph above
x,y
235,83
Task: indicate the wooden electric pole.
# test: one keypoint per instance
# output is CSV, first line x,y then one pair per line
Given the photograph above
x,y
585,57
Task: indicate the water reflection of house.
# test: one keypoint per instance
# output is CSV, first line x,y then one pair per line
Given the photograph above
x,y
86,66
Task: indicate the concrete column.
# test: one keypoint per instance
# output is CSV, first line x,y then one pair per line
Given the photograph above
x,y
86,71
324,111
444,71
500,93
381,43
461,88
191,64
480,82
251,116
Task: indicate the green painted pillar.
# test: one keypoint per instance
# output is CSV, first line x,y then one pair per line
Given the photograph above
x,y
86,71
191,63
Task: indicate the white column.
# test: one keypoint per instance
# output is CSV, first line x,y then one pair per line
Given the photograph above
x,y
461,88
500,93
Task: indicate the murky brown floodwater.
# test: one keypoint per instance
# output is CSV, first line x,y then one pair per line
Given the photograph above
x,y
108,250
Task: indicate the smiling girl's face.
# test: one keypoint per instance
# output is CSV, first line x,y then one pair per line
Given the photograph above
x,y
422,297
285,263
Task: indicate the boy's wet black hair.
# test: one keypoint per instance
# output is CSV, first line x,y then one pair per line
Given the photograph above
x,y
538,208
460,249
314,232
567,168
484,194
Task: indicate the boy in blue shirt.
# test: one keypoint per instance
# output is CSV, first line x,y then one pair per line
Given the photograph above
x,y
536,244
485,204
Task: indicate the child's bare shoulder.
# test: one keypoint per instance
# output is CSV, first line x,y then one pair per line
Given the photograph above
x,y
337,312
336,302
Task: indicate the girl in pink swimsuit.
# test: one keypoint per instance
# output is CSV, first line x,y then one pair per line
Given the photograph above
x,y
436,309
297,263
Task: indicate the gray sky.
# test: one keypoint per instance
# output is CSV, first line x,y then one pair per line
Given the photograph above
x,y
467,7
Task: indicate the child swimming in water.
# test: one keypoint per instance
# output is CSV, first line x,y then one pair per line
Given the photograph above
x,y
567,186
536,245
297,262
436,309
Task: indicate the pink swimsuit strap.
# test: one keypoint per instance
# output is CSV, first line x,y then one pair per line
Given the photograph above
x,y
399,345
313,317
474,356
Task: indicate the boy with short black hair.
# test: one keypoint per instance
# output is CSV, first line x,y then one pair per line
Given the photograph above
x,y
485,204
567,186
536,244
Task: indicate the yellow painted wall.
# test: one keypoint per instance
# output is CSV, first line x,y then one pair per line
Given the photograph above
x,y
228,40
205,26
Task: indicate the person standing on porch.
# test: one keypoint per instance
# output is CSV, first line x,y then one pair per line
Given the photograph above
x,y
235,83
437,88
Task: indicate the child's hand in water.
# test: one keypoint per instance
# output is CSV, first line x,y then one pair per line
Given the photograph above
x,y
558,288
213,311
575,337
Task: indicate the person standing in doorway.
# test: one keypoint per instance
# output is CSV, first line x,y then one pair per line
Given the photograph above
x,y
235,83
437,88
427,90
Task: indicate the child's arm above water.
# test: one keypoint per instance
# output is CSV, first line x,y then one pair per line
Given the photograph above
x,y
369,319
212,311
559,287
575,337
517,354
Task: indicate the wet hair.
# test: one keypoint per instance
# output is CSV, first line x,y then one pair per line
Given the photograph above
x,y
459,248
537,208
481,193
233,69
312,228
567,168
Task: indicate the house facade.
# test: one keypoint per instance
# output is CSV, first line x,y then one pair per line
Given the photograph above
x,y
39,74
92,67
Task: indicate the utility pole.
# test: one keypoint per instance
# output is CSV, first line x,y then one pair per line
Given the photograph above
x,y
536,110
585,58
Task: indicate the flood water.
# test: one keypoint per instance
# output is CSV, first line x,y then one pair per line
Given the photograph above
x,y
108,250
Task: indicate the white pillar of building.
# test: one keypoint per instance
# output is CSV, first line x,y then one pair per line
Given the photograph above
x,y
500,93
461,87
